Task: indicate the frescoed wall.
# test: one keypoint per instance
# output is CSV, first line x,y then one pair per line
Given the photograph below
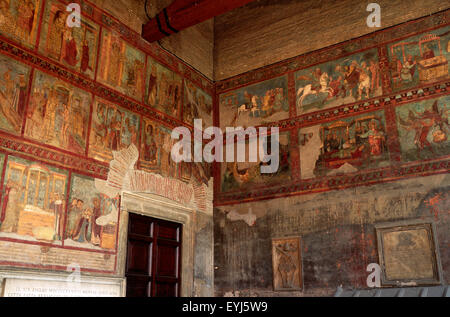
x,y
337,230
75,48
355,110
369,145
72,98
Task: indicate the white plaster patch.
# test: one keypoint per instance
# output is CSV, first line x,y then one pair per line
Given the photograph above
x,y
249,218
344,169
309,153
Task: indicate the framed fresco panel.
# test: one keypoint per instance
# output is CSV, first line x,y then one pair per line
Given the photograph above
x,y
163,89
113,129
15,79
408,253
334,83
344,146
256,104
287,264
121,66
244,175
33,205
420,59
19,20
93,216
423,129
155,149
75,48
197,105
58,113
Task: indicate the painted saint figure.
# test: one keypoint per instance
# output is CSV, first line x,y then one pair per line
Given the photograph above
x,y
376,139
152,87
70,48
11,207
150,149
408,69
6,19
57,206
72,219
25,19
96,213
428,52
56,34
85,57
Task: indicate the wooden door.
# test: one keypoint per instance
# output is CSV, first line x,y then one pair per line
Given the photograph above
x,y
153,257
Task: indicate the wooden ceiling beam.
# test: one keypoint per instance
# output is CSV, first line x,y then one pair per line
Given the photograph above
x,y
181,14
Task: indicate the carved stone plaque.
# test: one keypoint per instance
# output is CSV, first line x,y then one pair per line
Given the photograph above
x,y
16,287
287,264
408,254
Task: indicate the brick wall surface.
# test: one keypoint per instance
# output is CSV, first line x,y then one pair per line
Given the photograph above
x,y
268,31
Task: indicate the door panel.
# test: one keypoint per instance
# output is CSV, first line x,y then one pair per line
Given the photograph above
x,y
168,232
167,261
138,286
153,257
166,289
139,260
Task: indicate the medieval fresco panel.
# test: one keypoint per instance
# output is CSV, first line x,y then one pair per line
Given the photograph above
x,y
242,175
33,204
113,129
163,89
156,146
121,66
256,104
92,216
420,59
74,47
334,83
424,129
13,94
58,113
197,105
19,20
344,146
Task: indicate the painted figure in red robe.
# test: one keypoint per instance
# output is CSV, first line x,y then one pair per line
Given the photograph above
x,y
85,57
70,49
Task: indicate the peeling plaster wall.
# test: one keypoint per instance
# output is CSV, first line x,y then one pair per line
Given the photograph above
x,y
337,232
